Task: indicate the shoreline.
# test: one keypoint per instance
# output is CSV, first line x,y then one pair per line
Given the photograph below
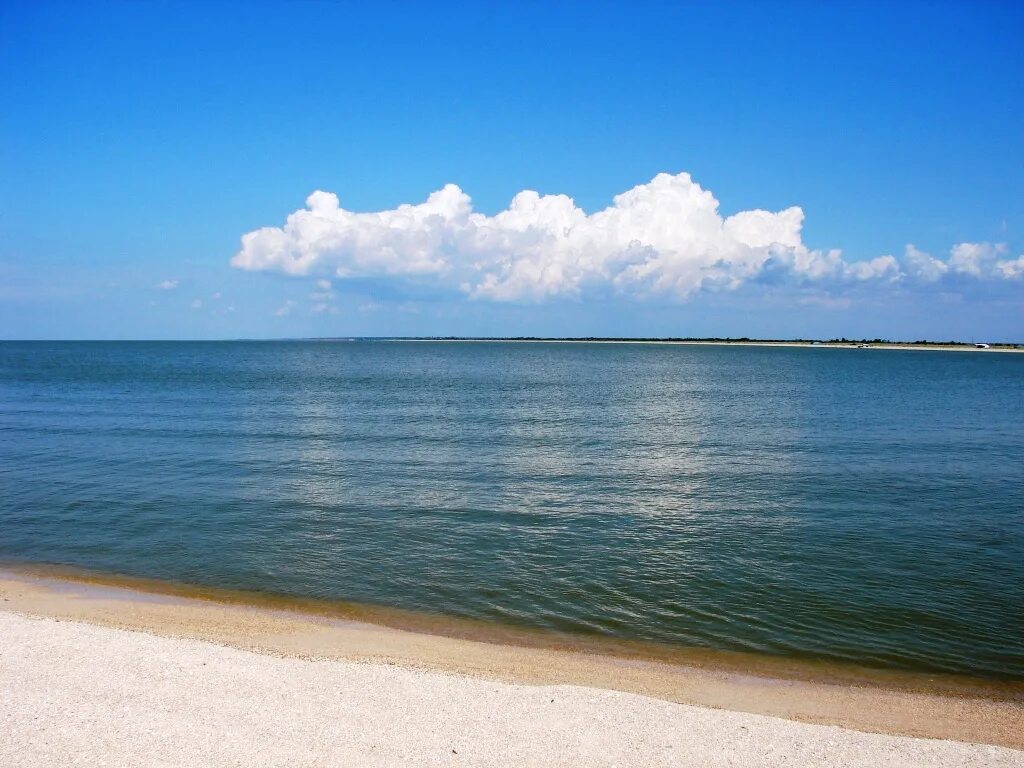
x,y
873,701
906,346
894,345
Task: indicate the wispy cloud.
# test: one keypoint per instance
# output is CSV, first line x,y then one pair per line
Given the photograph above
x,y
166,285
323,293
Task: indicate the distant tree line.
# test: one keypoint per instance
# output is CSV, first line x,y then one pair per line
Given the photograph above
x,y
716,339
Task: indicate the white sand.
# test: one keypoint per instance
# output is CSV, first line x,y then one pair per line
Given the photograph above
x,y
78,694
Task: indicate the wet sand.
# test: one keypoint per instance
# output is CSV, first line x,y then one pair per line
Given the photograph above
x,y
489,690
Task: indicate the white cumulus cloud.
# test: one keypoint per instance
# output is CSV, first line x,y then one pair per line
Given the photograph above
x,y
923,266
667,237
167,285
1011,269
972,260
977,259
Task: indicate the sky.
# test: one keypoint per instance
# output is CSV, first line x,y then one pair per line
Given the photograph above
x,y
294,169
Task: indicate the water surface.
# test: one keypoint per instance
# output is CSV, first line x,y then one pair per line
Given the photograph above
x,y
847,505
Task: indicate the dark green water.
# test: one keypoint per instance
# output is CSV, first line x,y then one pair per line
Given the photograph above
x,y
854,505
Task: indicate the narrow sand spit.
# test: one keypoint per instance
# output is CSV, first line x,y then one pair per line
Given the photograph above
x,y
78,694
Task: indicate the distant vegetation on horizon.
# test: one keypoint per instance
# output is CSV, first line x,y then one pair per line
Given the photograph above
x,y
713,339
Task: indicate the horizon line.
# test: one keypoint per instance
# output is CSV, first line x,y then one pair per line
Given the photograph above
x,y
653,339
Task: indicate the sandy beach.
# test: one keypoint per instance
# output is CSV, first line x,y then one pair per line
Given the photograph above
x,y
93,674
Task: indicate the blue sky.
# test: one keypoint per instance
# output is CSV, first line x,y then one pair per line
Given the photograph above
x,y
139,142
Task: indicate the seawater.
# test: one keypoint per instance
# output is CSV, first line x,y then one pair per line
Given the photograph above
x,y
861,506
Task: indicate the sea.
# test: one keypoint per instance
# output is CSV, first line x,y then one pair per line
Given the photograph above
x,y
861,506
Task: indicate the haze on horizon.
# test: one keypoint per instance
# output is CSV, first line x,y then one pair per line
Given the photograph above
x,y
200,171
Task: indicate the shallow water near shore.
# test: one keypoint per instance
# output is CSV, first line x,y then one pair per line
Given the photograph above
x,y
847,506
76,593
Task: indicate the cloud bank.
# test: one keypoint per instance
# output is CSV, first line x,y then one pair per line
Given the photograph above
x,y
664,238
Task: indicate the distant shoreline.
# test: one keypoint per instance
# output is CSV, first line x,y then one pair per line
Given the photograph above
x,y
841,344
937,346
